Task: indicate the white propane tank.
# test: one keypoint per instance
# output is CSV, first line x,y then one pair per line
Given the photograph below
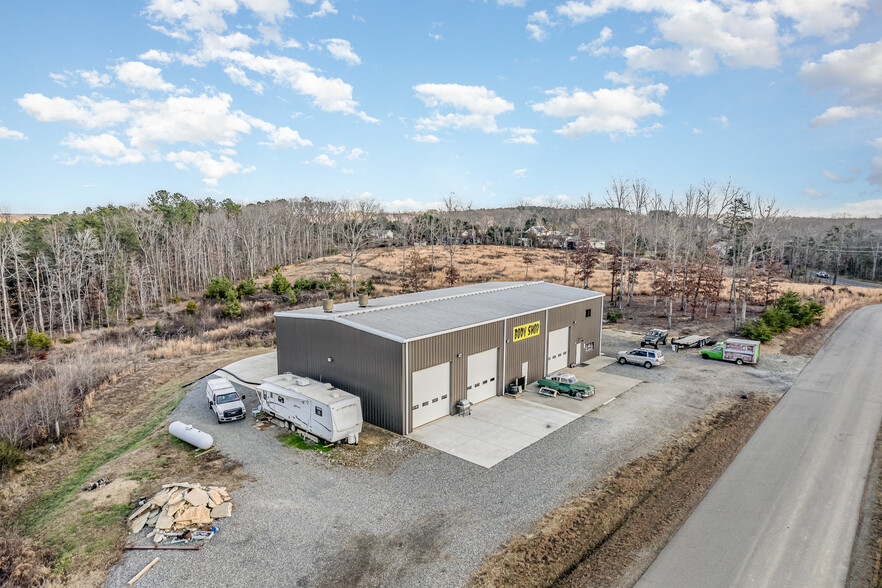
x,y
191,435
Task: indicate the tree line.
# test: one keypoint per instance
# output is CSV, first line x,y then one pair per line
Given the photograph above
x,y
713,244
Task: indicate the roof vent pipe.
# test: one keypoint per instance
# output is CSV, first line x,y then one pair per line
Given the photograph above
x,y
362,300
328,305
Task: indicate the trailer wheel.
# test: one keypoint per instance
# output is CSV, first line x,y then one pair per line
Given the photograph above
x,y
647,365
739,361
622,360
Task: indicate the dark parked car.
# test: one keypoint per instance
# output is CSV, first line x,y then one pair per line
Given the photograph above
x,y
654,338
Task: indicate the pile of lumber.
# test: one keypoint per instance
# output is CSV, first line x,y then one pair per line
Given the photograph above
x,y
181,506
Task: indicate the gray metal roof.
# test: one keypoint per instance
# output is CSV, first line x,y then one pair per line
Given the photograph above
x,y
413,316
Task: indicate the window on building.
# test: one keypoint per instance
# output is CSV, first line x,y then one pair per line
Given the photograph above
x,y
587,313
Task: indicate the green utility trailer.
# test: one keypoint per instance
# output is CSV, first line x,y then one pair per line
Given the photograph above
x,y
735,350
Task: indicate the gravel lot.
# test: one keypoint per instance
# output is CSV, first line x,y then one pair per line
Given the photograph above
x,y
430,521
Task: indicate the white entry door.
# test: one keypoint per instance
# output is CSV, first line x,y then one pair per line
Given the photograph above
x,y
558,345
431,394
481,380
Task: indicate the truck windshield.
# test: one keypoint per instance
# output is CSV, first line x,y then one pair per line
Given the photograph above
x,y
226,398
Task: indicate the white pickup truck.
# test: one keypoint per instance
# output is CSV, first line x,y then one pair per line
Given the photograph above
x,y
224,400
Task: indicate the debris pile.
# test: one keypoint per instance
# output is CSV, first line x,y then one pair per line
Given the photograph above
x,y
180,506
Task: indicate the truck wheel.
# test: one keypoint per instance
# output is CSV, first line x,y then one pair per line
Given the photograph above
x,y
622,360
739,361
219,421
641,344
705,356
647,365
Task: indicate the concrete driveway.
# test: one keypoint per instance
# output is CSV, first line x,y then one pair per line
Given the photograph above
x,y
502,426
497,429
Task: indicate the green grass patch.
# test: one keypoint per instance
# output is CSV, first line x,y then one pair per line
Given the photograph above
x,y
295,440
44,510
142,475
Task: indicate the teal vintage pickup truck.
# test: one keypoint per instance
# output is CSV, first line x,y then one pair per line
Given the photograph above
x,y
565,384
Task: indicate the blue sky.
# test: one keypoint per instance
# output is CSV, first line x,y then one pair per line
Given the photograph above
x,y
499,102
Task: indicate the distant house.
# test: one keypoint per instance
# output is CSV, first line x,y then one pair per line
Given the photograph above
x,y
382,234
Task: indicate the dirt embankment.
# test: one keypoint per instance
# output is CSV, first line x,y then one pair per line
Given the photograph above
x,y
608,536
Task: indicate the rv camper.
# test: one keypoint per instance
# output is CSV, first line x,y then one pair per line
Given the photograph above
x,y
310,406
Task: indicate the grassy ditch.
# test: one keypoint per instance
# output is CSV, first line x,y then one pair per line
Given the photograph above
x,y
35,516
608,535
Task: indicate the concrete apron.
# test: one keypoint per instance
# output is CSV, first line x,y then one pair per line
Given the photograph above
x,y
502,426
252,369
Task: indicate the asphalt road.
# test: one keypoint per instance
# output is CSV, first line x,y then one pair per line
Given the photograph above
x,y
786,510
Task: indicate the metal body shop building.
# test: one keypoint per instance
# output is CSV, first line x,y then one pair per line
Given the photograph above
x,y
412,357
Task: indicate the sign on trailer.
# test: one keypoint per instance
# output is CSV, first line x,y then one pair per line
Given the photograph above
x,y
525,331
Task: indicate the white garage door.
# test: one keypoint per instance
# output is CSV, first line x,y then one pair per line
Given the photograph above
x,y
431,394
558,345
481,380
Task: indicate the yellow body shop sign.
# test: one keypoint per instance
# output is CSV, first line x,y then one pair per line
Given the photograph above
x,y
525,331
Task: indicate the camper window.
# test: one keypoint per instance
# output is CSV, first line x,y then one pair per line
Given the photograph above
x,y
281,399
318,411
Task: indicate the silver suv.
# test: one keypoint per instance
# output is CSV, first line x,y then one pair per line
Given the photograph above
x,y
640,356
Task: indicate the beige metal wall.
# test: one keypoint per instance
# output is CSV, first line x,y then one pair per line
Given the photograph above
x,y
455,347
531,350
583,329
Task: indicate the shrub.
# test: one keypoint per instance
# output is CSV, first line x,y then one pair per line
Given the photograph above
x,y
246,287
157,329
280,284
366,287
613,316
67,340
36,340
292,298
758,331
232,308
218,288
4,345
10,456
192,307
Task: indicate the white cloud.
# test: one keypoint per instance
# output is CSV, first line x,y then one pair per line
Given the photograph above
x,y
140,75
425,139
189,119
356,153
156,55
722,119
238,76
521,135
334,149
436,36
102,149
410,205
81,111
286,138
325,8
211,169
834,114
202,15
545,200
92,78
537,25
481,107
813,193
341,50
517,3
597,47
268,10
821,17
696,131
855,73
611,111
323,159
6,133
519,173
833,177
698,61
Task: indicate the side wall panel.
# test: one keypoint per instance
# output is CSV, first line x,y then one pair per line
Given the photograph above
x,y
366,365
431,351
583,330
531,349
